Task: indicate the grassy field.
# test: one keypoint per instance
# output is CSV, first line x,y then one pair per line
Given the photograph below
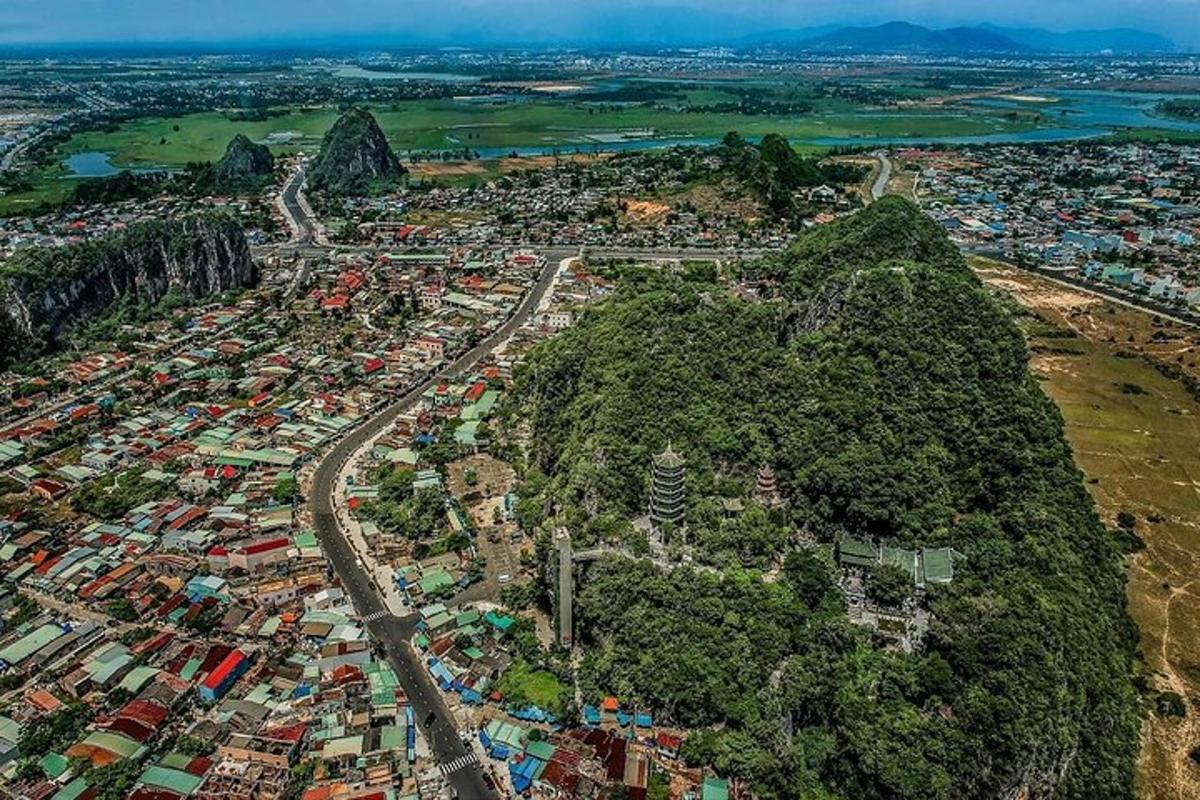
x,y
451,124
481,125
1136,437
522,685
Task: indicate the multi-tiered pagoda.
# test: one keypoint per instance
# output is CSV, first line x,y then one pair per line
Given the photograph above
x,y
767,490
666,490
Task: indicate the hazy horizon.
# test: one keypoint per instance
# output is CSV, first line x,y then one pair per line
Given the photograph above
x,y
538,22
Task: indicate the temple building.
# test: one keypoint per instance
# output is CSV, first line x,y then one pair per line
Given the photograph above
x,y
768,492
666,490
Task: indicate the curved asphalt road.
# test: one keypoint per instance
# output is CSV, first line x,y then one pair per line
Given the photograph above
x,y
305,233
394,632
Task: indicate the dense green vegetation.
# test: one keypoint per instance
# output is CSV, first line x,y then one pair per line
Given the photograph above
x,y
125,185
54,732
523,685
113,495
245,165
774,171
890,395
403,511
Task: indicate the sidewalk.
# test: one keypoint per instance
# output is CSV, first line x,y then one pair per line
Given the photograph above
x,y
380,574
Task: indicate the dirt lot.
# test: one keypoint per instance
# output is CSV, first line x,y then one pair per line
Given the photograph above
x,y
492,168
484,503
645,212
1136,436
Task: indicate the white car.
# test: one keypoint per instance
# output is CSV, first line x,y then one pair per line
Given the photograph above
x,y
504,578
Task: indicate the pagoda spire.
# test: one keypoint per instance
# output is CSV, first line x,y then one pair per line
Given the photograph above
x,y
666,489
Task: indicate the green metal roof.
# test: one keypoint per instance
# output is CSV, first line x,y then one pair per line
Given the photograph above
x,y
29,644
173,780
345,746
54,764
176,760
857,552
540,749
113,742
71,791
901,558
137,678
435,580
392,737
715,789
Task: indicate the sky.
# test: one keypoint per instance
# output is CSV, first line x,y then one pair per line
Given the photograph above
x,y
473,22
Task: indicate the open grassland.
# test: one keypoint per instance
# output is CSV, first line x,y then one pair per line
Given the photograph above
x,y
443,124
487,125
450,124
1136,437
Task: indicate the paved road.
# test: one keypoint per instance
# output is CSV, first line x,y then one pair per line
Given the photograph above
x,y
10,156
314,250
879,188
394,632
305,229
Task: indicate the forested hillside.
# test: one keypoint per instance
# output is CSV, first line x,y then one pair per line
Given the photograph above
x,y
890,395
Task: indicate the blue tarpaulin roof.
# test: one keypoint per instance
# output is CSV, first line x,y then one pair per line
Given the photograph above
x,y
523,772
532,714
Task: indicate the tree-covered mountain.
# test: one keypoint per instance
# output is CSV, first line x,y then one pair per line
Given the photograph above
x,y
773,171
244,165
1117,40
890,395
355,157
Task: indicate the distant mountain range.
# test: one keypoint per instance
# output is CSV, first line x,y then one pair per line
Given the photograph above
x,y
905,37
1117,40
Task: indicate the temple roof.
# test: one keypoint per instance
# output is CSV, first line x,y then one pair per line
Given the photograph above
x,y
669,459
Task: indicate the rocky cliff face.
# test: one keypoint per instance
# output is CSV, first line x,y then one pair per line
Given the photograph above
x,y
46,293
355,157
244,164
